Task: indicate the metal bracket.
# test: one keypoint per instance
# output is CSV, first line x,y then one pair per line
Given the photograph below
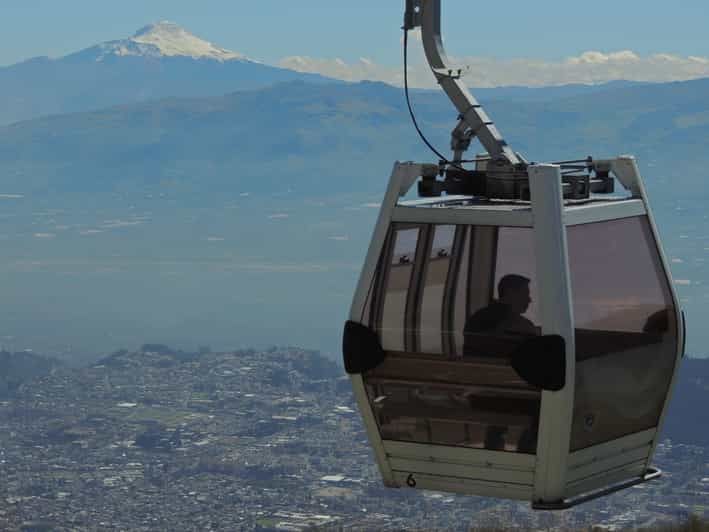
x,y
451,73
427,14
460,139
412,16
650,474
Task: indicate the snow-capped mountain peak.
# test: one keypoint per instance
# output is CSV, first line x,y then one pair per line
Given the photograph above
x,y
166,39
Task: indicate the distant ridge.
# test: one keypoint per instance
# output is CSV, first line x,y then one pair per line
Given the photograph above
x,y
164,59
160,60
645,120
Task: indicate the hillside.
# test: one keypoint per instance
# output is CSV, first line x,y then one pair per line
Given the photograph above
x,y
307,137
198,220
156,438
685,423
18,368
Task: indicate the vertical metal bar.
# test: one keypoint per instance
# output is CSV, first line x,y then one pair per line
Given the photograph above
x,y
399,174
449,292
557,318
493,262
381,279
469,272
469,108
416,287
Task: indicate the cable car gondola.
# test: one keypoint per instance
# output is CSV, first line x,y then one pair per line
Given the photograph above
x,y
514,332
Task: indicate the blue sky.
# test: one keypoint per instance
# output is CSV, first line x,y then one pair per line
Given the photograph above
x,y
271,29
520,42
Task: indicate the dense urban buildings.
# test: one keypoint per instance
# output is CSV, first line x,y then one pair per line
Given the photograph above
x,y
163,440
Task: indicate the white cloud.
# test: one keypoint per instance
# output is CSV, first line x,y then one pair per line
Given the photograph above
x,y
599,58
362,69
589,67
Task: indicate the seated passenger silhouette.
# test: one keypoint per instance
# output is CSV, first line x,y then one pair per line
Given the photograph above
x,y
504,315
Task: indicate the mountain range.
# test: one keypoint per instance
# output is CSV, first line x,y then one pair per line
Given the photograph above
x,y
165,60
160,60
308,137
213,219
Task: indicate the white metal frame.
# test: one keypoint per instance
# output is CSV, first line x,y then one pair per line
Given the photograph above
x,y
402,176
556,318
481,215
473,120
553,475
627,166
601,212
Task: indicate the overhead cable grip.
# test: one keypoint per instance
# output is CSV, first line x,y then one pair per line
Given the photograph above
x,y
426,14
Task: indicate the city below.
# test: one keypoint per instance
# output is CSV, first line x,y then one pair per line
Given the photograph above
x,y
160,439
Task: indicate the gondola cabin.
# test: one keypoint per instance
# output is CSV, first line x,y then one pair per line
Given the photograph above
x,y
515,348
515,332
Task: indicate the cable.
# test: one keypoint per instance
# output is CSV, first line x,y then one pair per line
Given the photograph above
x,y
411,111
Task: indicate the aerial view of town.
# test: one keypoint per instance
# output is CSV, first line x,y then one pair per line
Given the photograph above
x,y
159,439
298,266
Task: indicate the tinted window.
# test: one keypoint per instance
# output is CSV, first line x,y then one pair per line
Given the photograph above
x,y
626,335
436,271
396,285
456,387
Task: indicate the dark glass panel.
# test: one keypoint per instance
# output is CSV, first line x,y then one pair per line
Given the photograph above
x,y
460,303
626,335
480,404
475,398
396,287
437,267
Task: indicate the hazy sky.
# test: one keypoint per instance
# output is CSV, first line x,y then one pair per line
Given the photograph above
x,y
547,32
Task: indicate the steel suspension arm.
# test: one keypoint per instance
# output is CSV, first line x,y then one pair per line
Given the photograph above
x,y
473,119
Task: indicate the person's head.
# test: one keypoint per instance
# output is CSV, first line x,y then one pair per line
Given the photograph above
x,y
513,290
